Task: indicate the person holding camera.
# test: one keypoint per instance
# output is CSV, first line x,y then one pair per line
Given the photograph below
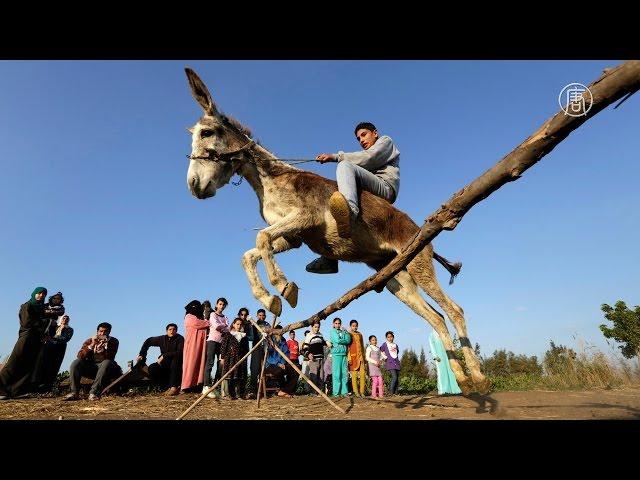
x,y
52,354
96,359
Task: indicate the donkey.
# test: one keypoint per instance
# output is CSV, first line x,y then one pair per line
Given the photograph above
x,y
295,205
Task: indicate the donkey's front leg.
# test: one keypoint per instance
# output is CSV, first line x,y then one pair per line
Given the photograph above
x,y
289,226
249,263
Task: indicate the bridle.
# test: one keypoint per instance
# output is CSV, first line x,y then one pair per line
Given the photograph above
x,y
224,156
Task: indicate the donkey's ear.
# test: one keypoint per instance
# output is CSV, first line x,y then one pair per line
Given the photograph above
x,y
201,93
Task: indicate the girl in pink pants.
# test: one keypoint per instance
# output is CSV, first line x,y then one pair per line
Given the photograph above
x,y
375,358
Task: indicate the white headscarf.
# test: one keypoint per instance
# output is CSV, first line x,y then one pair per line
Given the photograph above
x,y
239,335
60,326
393,349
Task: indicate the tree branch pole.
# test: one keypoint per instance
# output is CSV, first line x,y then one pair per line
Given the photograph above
x,y
264,359
612,85
294,366
313,385
219,381
261,380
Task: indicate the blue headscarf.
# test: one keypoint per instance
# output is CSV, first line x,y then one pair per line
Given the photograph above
x,y
33,300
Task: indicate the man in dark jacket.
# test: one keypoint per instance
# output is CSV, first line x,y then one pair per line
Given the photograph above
x,y
96,359
167,371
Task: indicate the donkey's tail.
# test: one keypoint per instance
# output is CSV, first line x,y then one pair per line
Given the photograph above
x,y
452,268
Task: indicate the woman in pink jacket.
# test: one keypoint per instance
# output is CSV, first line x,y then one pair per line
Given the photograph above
x,y
193,358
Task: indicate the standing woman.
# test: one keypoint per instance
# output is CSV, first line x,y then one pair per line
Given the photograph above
x,y
16,374
447,384
52,354
193,356
340,339
53,309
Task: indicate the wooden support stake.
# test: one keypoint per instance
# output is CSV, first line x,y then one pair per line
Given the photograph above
x,y
313,385
219,381
264,359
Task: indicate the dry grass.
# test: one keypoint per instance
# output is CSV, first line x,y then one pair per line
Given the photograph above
x,y
592,369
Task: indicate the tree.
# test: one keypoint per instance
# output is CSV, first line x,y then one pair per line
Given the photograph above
x,y
558,359
503,363
424,367
497,364
409,362
626,327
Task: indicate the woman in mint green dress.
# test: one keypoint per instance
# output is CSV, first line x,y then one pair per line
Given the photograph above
x,y
446,379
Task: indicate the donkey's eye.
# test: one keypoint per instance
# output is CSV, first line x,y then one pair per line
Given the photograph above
x,y
206,133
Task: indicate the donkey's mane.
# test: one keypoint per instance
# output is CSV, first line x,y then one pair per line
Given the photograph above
x,y
237,125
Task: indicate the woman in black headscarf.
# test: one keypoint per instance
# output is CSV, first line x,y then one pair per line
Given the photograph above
x,y
15,376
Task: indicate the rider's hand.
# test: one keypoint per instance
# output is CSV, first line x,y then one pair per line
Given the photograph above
x,y
326,157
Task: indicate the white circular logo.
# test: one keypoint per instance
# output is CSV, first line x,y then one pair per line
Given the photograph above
x,y
575,99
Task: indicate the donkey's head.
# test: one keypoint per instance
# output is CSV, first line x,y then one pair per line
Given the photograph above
x,y
216,144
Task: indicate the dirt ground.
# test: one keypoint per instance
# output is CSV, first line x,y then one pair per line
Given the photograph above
x,y
586,405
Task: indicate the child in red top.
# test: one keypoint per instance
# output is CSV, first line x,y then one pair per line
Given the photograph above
x,y
294,347
294,350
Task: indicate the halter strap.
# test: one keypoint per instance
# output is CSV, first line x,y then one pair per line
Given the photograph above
x,y
223,156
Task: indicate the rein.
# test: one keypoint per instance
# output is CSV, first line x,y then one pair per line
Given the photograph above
x,y
226,157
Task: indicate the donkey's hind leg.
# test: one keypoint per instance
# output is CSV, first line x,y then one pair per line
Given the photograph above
x,y
250,262
422,271
404,287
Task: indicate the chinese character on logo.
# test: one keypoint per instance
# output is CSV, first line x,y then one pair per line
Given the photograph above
x,y
576,103
576,100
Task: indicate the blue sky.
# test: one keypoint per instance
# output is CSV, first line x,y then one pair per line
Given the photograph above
x,y
94,201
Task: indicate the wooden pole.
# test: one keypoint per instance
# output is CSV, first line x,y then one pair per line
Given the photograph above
x,y
261,380
116,381
261,383
219,381
137,366
313,385
295,367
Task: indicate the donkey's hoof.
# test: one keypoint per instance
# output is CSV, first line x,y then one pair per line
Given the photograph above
x,y
290,294
483,387
275,306
466,386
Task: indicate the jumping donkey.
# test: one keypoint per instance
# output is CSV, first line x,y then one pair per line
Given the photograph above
x,y
295,205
